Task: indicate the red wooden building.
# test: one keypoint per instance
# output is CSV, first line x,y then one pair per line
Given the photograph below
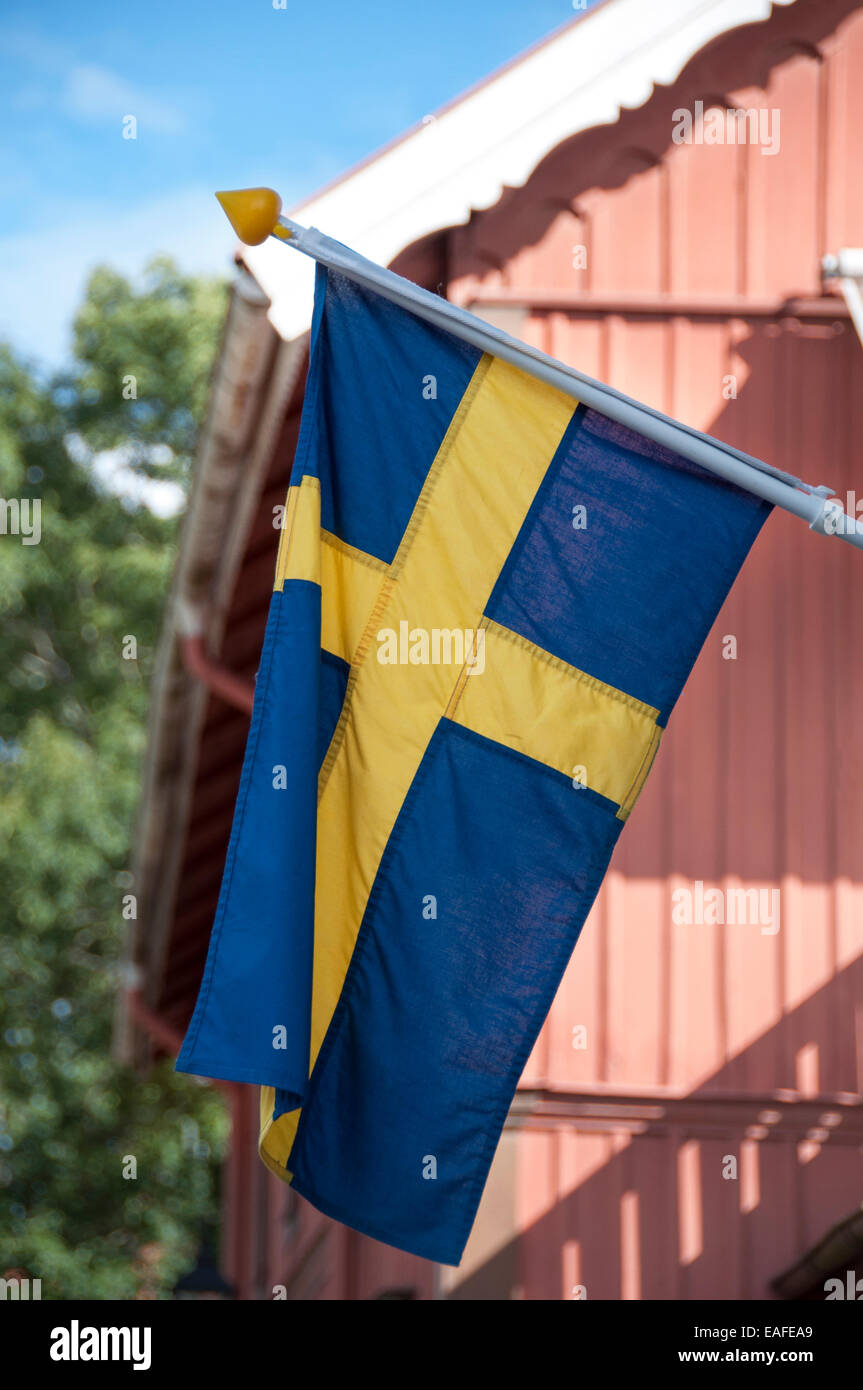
x,y
556,200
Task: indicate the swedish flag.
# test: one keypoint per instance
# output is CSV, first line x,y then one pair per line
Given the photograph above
x,y
487,601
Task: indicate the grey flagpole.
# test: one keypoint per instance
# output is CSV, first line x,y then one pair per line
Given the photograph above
x,y
815,505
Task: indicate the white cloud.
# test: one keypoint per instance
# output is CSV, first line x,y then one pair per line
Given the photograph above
x,y
43,272
95,94
87,92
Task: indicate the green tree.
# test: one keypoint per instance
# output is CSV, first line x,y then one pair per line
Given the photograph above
x,y
72,734
143,361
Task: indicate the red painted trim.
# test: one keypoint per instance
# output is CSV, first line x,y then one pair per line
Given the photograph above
x,y
164,1034
157,1028
715,306
216,678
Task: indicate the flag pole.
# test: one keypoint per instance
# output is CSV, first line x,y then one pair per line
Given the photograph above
x,y
255,214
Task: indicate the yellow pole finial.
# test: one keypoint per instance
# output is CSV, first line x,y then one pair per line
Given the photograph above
x,y
252,212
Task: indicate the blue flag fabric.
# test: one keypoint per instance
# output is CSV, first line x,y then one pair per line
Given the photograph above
x,y
487,601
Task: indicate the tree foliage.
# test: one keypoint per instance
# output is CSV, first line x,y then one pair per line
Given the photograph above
x,y
72,734
162,338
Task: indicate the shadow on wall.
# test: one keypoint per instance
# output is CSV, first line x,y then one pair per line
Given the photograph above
x,y
656,1219
760,774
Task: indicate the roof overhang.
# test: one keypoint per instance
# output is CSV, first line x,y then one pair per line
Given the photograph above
x,y
254,376
459,160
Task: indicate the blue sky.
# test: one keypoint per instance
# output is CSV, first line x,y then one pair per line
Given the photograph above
x,y
227,93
